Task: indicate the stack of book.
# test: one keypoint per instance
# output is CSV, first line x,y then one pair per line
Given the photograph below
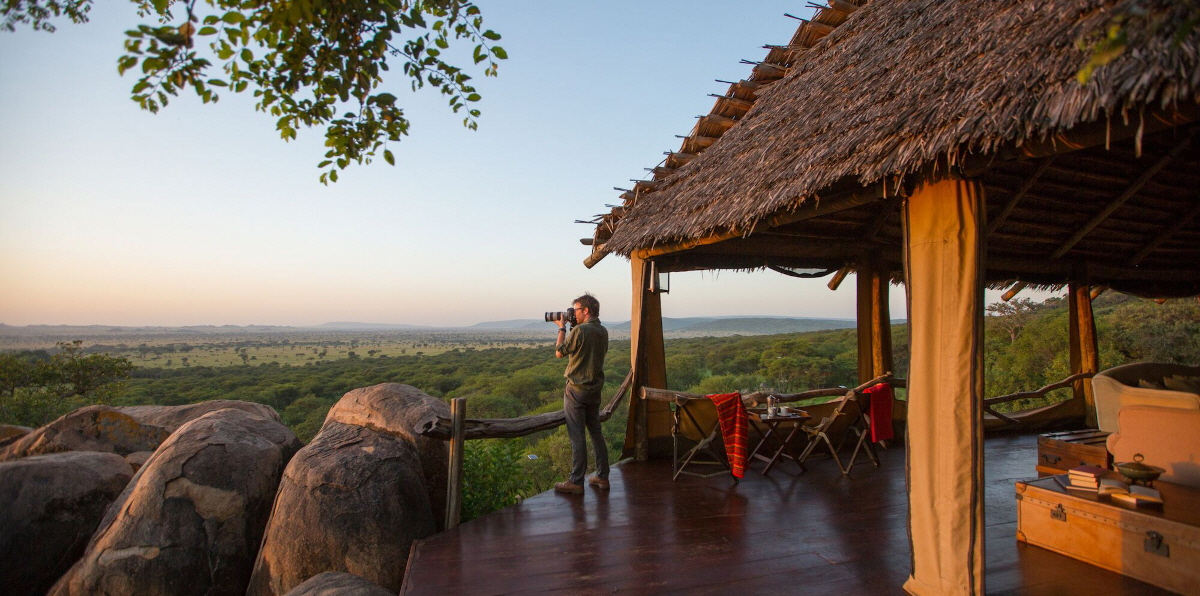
x,y
1085,477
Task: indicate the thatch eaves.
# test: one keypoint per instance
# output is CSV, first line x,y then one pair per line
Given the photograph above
x,y
906,85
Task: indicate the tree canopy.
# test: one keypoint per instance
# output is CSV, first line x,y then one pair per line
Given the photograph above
x,y
309,63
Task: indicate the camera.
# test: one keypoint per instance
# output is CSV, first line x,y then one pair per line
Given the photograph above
x,y
567,315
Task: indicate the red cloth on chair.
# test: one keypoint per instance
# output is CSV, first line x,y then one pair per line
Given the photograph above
x,y
731,413
880,412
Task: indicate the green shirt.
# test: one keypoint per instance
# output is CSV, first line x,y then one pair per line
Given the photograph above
x,y
585,347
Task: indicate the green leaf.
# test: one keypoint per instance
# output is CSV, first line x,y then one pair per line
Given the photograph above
x,y
474,97
233,17
207,31
388,157
499,52
492,35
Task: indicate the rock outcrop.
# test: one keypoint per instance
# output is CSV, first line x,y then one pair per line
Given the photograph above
x,y
191,520
137,459
401,411
332,583
368,457
173,417
51,506
12,432
352,500
93,428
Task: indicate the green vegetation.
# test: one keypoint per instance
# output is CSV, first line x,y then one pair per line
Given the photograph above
x,y
37,387
1027,347
308,64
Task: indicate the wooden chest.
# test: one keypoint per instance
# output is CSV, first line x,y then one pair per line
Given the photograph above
x,y
1059,452
1158,546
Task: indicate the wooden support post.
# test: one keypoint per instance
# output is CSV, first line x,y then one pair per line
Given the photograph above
x,y
1085,355
874,321
458,413
649,361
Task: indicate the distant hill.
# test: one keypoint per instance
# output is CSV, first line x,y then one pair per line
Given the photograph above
x,y
352,326
509,324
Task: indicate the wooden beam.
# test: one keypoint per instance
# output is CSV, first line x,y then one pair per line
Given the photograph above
x,y
843,6
820,29
1106,132
696,144
733,102
880,220
809,210
1129,192
769,71
1020,194
838,278
1014,290
648,361
678,159
598,254
458,413
720,121
1166,234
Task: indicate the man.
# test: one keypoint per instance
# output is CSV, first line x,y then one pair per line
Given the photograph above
x,y
584,347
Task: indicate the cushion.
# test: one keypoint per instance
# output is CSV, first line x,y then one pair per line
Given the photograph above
x,y
1182,383
1148,384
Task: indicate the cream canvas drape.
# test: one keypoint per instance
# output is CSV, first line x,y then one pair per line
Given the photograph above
x,y
944,250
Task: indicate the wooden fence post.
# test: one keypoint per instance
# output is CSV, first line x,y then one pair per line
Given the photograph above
x,y
458,413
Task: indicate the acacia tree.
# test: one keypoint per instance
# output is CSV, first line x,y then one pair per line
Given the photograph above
x,y
309,63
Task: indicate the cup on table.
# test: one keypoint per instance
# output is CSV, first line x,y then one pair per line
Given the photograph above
x,y
785,411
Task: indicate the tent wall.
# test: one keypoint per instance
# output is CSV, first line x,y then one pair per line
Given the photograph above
x,y
944,251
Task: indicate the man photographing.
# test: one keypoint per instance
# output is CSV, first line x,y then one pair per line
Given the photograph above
x,y
584,347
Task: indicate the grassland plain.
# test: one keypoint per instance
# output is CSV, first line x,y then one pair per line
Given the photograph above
x,y
512,372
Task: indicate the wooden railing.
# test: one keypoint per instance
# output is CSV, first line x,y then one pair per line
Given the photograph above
x,y
458,429
1063,384
750,399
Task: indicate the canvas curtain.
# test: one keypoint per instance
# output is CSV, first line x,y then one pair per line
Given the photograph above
x,y
944,250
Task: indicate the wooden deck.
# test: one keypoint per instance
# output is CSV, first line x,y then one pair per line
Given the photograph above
x,y
815,533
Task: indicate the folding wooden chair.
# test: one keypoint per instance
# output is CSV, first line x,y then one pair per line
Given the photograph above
x,y
845,418
860,427
686,427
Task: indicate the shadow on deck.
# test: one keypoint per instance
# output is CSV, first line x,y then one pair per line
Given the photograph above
x,y
815,533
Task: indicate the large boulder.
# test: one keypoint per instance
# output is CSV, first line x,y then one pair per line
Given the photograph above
x,y
333,583
51,506
12,432
351,500
401,411
93,428
173,417
191,520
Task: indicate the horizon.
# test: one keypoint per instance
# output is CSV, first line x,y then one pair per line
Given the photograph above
x,y
368,325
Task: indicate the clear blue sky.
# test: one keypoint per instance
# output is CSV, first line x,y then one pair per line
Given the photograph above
x,y
202,215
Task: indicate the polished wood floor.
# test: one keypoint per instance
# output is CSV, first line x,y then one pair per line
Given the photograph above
x,y
787,533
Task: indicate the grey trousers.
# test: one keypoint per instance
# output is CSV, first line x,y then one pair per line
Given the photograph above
x,y
582,409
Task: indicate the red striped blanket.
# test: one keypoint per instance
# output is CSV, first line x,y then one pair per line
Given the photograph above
x,y
732,415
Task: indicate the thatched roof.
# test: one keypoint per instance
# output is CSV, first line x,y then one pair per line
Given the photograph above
x,y
908,85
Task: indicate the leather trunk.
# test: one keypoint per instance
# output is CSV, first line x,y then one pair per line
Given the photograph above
x,y
1061,451
1160,546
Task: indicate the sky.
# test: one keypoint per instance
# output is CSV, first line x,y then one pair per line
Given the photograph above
x,y
203,215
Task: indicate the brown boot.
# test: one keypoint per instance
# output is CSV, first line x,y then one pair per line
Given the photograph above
x,y
566,486
598,482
